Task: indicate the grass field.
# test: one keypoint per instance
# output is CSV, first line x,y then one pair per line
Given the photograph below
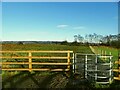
x,y
17,47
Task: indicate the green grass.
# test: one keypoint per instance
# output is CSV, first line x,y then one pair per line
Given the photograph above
x,y
52,47
113,51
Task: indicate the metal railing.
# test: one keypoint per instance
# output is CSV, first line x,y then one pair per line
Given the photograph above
x,y
94,67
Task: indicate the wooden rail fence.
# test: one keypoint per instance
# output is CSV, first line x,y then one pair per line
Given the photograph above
x,y
117,70
5,60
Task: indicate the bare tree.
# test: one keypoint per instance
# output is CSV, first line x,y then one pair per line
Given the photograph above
x,y
75,38
80,38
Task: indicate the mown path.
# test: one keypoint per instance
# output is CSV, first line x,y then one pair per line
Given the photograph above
x,y
92,49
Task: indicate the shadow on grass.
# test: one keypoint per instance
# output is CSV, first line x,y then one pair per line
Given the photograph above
x,y
115,85
11,79
14,81
38,80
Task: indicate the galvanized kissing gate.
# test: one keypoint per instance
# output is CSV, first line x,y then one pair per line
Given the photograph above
x,y
94,67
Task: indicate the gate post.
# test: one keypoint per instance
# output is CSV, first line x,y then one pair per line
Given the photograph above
x,y
86,66
30,61
68,60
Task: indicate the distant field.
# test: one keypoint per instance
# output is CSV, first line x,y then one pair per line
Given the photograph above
x,y
17,47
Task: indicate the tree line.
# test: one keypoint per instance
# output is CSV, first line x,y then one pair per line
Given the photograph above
x,y
96,39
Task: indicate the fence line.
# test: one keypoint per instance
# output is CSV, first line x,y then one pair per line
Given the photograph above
x,y
68,62
30,62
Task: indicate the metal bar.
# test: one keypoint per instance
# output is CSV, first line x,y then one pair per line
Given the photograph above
x,y
110,73
85,54
86,66
73,63
103,63
103,77
105,56
102,82
96,68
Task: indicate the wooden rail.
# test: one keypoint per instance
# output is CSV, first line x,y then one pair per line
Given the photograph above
x,y
117,70
30,61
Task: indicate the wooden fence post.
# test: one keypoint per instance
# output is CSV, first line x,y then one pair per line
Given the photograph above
x,y
68,60
30,61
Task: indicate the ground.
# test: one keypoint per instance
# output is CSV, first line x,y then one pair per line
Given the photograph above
x,y
44,80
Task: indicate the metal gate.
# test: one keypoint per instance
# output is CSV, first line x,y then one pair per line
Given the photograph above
x,y
94,67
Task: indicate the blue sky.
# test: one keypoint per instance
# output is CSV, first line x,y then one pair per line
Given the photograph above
x,y
60,0
57,21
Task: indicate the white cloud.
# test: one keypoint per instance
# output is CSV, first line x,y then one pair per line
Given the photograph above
x,y
79,27
62,26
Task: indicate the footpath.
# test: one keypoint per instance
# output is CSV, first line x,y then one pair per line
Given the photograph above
x,y
92,49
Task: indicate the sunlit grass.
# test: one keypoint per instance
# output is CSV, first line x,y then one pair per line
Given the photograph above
x,y
105,50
